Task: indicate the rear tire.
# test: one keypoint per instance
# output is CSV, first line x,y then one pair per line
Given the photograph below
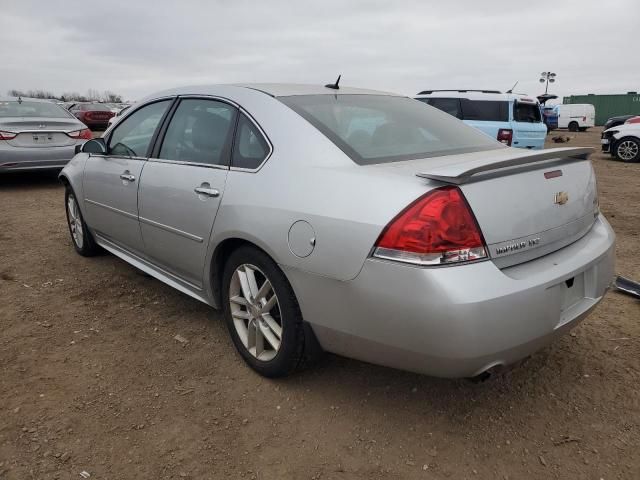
x,y
267,327
627,149
574,127
81,237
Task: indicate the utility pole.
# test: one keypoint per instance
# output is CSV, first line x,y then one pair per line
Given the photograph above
x,y
548,77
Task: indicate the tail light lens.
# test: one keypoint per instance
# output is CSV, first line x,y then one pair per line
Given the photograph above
x,y
438,228
84,134
7,135
505,135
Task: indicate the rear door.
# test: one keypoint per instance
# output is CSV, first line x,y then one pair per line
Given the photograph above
x,y
529,131
111,180
183,184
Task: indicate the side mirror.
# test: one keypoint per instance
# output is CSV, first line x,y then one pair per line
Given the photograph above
x,y
95,146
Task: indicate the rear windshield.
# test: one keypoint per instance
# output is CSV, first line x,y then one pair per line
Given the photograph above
x,y
96,107
382,128
26,108
526,112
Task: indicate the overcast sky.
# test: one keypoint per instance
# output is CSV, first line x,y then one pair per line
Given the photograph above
x,y
136,47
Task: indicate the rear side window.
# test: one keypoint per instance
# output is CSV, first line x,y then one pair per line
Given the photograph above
x,y
132,136
485,110
526,112
383,128
249,148
200,132
448,105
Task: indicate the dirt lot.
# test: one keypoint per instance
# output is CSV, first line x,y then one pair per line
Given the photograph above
x,y
92,379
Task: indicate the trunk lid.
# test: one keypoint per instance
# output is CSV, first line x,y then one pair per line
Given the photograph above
x,y
527,203
40,132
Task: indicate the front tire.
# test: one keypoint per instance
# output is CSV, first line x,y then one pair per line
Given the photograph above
x,y
574,127
627,149
80,235
262,313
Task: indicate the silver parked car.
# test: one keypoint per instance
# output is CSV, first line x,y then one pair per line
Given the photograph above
x,y
37,134
357,222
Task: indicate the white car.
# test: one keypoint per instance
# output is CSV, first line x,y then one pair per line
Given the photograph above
x,y
118,115
622,142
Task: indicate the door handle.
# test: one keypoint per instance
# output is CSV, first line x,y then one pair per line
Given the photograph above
x,y
127,177
209,192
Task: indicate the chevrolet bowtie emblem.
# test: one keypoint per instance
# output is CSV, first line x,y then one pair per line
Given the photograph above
x,y
561,198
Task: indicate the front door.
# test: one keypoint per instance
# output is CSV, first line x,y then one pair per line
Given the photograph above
x,y
111,181
180,191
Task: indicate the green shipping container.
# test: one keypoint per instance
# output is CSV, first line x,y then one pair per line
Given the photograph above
x,y
608,106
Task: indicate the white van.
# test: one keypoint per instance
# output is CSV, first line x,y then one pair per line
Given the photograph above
x,y
576,116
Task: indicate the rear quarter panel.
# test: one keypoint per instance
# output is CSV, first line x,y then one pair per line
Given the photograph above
x,y
73,173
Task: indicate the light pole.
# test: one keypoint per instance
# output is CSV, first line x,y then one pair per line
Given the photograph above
x,y
548,77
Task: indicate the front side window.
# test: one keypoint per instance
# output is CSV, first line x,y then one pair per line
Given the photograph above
x,y
383,128
249,148
200,132
526,112
132,137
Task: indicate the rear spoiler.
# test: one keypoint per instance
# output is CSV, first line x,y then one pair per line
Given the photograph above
x,y
458,172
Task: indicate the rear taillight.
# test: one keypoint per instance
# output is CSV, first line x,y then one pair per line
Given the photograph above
x,y
505,135
584,119
84,134
7,135
438,228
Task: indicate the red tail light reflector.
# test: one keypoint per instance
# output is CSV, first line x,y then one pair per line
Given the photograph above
x,y
505,135
438,228
84,134
7,135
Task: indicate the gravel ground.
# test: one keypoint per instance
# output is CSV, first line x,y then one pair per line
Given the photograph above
x,y
92,379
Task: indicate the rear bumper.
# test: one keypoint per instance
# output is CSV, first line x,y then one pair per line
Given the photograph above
x,y
37,158
458,321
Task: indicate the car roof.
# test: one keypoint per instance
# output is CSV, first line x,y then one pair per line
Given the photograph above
x,y
290,89
271,89
476,95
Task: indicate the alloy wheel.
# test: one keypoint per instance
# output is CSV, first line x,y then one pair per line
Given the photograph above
x,y
256,312
627,150
75,221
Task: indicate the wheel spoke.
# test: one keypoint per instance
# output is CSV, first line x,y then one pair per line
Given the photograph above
x,y
237,299
251,336
273,325
244,285
268,334
240,315
259,339
264,291
266,308
251,279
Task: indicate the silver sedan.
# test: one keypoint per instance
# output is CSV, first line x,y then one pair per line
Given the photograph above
x,y
362,223
37,135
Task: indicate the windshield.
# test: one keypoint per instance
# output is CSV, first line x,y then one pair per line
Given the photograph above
x,y
383,128
526,112
31,109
